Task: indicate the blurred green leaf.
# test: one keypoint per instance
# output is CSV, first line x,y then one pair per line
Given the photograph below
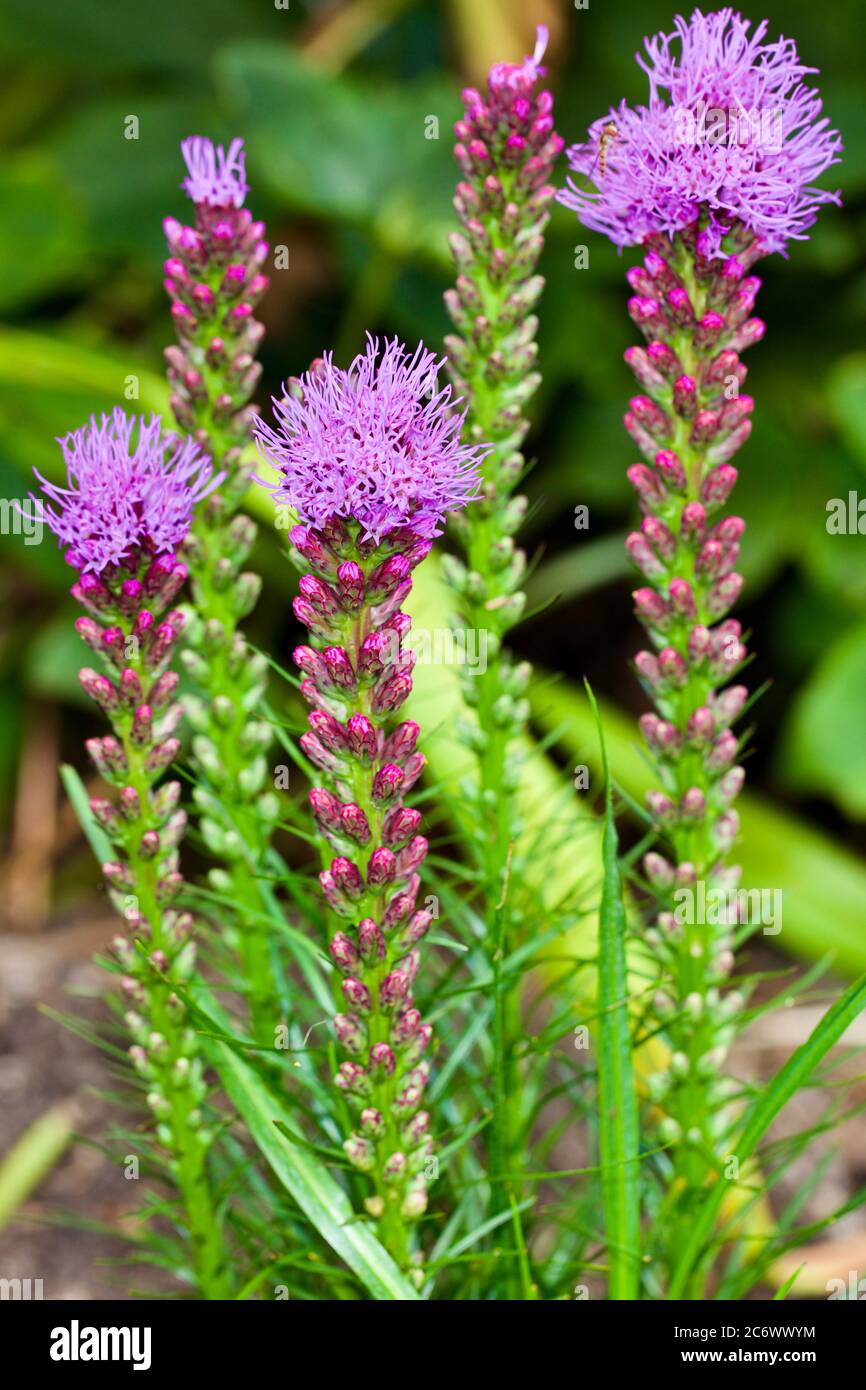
x,y
42,240
50,384
32,1157
846,398
84,36
126,186
53,660
352,151
824,746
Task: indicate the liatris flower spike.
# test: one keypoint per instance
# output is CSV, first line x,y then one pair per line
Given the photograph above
x,y
371,460
214,277
712,175
126,509
506,148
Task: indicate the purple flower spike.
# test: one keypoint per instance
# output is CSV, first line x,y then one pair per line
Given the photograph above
x,y
216,177
131,486
379,443
731,132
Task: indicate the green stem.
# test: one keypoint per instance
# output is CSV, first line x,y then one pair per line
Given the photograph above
x,y
187,1148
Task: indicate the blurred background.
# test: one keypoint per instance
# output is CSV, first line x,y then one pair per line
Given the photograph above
x,y
346,109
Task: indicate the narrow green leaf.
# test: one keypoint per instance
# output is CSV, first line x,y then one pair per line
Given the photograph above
x,y
321,1199
792,1077
77,793
782,1293
617,1099
32,1157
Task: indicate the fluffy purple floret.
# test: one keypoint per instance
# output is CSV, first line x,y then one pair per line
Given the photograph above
x,y
731,132
518,79
125,493
379,443
216,177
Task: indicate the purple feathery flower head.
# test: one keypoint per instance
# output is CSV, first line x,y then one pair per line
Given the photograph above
x,y
731,133
125,494
216,177
379,443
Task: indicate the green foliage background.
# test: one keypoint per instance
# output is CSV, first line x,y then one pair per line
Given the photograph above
x,y
336,104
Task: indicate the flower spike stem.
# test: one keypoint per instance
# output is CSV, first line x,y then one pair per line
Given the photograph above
x,y
356,677
506,151
130,495
689,422
705,207
371,460
145,826
214,278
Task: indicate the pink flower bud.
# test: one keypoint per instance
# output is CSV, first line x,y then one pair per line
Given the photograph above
x,y
651,608
680,306
382,867
685,396
701,727
693,805
326,808
661,808
724,594
648,669
693,520
370,940
354,823
343,952
400,825
350,1032
357,995
347,877
401,742
362,738
646,484
672,667
350,585
682,599
709,329
671,470
328,730
382,1060
386,784
659,872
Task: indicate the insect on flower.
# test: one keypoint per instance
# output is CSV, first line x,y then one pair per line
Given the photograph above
x,y
608,137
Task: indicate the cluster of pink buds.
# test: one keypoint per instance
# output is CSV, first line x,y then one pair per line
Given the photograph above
x,y
506,149
696,313
214,278
133,628
355,679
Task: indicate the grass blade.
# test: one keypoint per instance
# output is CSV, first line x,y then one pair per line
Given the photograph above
x,y
80,802
321,1199
617,1098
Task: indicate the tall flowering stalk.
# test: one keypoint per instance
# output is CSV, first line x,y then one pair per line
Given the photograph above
x,y
506,150
711,176
125,511
214,278
371,460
